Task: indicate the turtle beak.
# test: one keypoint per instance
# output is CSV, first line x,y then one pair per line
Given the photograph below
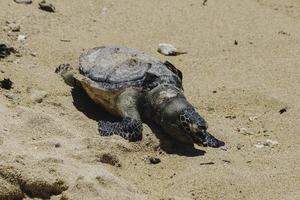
x,y
204,138
195,128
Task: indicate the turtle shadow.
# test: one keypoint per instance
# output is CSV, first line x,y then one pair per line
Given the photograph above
x,y
90,109
171,146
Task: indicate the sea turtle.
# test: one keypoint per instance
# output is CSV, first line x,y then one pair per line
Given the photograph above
x,y
135,86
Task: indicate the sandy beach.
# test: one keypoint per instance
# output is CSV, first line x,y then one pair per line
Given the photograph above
x,y
241,72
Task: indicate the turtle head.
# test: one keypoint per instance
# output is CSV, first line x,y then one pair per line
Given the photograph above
x,y
195,128
178,118
181,121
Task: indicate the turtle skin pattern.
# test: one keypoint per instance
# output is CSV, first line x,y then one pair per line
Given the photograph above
x,y
128,128
188,116
211,141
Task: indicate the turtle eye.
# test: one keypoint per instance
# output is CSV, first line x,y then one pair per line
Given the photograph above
x,y
191,121
186,126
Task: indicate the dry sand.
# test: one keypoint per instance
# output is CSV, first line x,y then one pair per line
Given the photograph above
x,y
49,145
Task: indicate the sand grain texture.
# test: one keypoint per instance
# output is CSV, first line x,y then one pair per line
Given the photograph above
x,y
241,68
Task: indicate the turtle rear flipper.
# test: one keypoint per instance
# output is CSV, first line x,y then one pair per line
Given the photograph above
x,y
131,126
67,73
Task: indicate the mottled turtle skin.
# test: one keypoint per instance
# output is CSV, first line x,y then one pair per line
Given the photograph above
x,y
134,86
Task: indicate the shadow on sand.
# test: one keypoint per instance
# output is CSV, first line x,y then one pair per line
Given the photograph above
x,y
96,112
171,146
87,106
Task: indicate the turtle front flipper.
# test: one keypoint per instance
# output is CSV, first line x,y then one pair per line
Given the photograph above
x,y
131,126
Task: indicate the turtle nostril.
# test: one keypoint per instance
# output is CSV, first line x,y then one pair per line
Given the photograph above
x,y
202,128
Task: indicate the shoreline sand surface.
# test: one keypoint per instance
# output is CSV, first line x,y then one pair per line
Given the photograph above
x,y
241,69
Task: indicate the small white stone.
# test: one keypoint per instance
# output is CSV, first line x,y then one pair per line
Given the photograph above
x,y
251,119
22,38
168,50
267,143
259,145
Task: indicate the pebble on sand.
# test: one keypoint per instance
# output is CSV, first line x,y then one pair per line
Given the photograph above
x,y
244,131
13,26
259,145
239,146
151,160
43,5
6,84
57,145
21,38
267,143
109,158
37,96
168,50
271,142
23,1
224,148
283,110
6,51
